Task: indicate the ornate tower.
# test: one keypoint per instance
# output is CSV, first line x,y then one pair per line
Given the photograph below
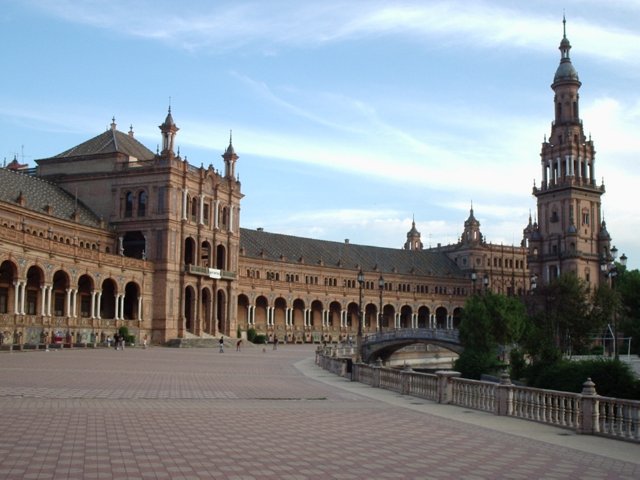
x,y
230,159
569,234
169,130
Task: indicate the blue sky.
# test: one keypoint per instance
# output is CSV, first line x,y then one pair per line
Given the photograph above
x,y
350,117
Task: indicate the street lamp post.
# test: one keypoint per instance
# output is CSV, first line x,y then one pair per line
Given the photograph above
x,y
610,270
359,338
485,281
380,315
534,283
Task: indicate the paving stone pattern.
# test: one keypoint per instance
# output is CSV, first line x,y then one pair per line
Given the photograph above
x,y
196,414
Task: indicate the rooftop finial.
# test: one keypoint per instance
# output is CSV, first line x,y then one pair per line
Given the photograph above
x,y
230,137
564,25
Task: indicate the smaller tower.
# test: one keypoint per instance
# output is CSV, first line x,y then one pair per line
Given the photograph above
x,y
471,234
169,130
230,159
413,238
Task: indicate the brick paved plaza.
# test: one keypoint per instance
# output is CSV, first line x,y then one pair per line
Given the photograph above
x,y
196,413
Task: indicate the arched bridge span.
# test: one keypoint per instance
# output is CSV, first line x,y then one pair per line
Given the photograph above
x,y
382,345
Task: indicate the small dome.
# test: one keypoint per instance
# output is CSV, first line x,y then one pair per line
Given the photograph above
x,y
565,72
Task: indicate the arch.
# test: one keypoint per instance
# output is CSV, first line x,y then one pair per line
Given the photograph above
x,y
131,296
352,315
243,312
334,314
457,317
406,312
370,318
8,276
33,293
108,299
205,310
297,316
316,313
85,289
59,293
279,312
142,203
221,257
388,316
205,254
189,301
441,317
423,317
260,319
189,251
134,244
221,312
127,206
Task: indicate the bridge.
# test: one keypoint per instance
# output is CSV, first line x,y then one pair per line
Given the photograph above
x,y
382,345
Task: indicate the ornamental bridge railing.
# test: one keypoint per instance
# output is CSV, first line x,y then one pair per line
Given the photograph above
x,y
585,412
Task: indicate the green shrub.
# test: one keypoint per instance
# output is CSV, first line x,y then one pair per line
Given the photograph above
x,y
612,377
260,338
472,364
251,334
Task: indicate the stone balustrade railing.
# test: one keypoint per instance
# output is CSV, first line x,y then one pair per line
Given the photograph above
x,y
585,412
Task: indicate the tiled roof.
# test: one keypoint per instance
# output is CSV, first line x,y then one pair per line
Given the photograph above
x,y
111,141
39,194
275,246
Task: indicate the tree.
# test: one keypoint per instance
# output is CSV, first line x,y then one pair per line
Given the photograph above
x,y
628,287
488,321
561,318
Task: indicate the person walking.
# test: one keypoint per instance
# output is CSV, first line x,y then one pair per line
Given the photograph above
x,y
275,342
238,344
221,343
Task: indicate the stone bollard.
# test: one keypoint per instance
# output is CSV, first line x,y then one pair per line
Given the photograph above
x,y
504,395
588,422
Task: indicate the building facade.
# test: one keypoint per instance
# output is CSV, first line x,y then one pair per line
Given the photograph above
x,y
110,234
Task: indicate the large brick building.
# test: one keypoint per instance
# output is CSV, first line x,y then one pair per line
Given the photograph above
x,y
109,233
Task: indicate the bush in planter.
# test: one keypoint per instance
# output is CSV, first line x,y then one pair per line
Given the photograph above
x,y
259,338
251,335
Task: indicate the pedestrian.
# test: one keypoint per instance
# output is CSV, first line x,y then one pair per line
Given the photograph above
x,y
275,342
116,341
144,342
238,344
221,343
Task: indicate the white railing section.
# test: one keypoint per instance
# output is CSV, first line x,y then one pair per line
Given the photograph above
x,y
585,412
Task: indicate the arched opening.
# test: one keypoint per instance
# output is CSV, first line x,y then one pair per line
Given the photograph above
x,y
334,314
221,306
128,205
142,203
316,313
388,315
59,294
131,295
85,287
8,275
405,316
279,312
243,312
221,257
352,315
134,245
423,317
261,313
370,318
457,317
32,300
441,317
189,300
108,299
297,317
189,251
205,310
205,254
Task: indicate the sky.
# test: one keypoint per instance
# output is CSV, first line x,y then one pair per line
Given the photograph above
x,y
351,118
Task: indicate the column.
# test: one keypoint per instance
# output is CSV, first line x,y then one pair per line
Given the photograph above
x,y
184,204
43,294
74,303
49,299
139,307
414,320
201,212
98,302
216,213
93,304
231,218
67,302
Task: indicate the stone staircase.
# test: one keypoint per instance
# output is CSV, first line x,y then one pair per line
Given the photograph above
x,y
194,341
